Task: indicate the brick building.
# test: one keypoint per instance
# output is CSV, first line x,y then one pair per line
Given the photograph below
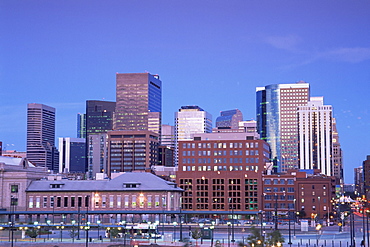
x,y
132,196
221,173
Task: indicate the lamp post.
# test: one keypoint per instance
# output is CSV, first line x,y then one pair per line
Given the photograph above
x,y
290,233
180,216
35,224
201,225
61,231
318,211
48,223
276,216
73,230
124,232
295,217
87,228
98,222
212,229
78,222
174,230
228,233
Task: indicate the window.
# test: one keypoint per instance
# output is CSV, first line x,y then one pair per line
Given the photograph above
x,y
45,202
118,201
149,201
14,188
73,202
65,202
126,201
59,202
111,201
133,202
104,201
30,202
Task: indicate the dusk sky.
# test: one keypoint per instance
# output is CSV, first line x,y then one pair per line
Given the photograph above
x,y
207,53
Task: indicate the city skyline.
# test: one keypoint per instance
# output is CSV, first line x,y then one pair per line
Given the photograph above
x,y
211,54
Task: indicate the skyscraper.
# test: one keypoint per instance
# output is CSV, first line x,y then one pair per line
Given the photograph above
x,y
99,116
229,119
72,154
277,120
81,125
190,120
337,154
315,136
132,150
41,149
139,102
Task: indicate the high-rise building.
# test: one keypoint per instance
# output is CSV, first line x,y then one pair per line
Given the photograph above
x,y
41,149
132,150
190,120
72,155
229,119
168,135
277,120
99,116
139,102
366,171
359,180
315,136
81,125
337,155
97,154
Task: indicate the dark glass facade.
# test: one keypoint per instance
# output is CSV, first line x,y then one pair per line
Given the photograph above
x,y
99,116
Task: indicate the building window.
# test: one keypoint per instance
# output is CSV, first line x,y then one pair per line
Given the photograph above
x,y
104,201
79,201
133,202
52,198
65,202
30,202
73,202
111,201
14,188
118,201
59,202
149,201
44,202
126,201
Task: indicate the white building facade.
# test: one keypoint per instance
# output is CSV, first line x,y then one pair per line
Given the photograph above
x,y
315,135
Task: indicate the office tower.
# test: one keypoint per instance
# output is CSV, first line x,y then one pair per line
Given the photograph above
x,y
166,156
168,135
41,149
190,120
97,154
359,180
315,136
72,155
366,171
229,119
81,125
139,102
277,120
99,116
337,155
132,150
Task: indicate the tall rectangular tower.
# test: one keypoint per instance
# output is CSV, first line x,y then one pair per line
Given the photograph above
x,y
99,116
277,120
139,102
41,149
315,136
190,120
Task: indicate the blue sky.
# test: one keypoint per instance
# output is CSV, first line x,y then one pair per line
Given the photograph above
x,y
207,53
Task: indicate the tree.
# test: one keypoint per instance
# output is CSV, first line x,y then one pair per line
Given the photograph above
x,y
255,238
196,234
114,232
32,232
274,237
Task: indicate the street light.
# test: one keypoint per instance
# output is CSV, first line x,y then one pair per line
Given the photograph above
x,y
228,232
36,227
212,227
174,230
48,223
73,230
87,228
98,222
201,225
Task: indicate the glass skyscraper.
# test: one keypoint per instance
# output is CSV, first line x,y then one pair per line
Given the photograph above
x,y
41,150
139,102
277,122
